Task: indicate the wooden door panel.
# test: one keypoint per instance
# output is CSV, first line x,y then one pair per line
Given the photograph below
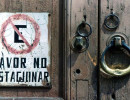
x,y
115,88
82,67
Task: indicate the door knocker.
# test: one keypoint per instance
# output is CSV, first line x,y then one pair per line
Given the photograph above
x,y
111,21
116,42
80,41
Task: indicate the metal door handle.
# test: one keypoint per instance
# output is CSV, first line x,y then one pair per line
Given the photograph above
x,y
115,72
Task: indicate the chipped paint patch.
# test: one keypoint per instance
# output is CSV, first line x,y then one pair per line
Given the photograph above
x,y
92,60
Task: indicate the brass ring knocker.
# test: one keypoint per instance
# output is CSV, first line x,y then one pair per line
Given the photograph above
x,y
115,72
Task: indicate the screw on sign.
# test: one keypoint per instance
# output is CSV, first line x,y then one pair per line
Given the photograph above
x,y
18,34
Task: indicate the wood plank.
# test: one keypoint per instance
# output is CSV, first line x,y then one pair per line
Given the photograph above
x,y
115,88
85,62
82,87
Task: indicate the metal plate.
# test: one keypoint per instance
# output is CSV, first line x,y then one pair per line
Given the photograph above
x,y
25,49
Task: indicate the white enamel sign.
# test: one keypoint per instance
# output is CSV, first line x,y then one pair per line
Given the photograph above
x,y
24,49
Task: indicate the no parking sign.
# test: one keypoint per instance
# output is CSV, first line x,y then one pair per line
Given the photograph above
x,y
24,49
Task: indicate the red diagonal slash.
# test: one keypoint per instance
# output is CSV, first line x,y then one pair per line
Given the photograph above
x,y
10,21
17,31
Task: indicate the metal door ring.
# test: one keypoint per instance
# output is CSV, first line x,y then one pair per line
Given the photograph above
x,y
111,19
84,29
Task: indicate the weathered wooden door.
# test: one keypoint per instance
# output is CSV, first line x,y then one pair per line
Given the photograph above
x,y
72,75
115,88
86,78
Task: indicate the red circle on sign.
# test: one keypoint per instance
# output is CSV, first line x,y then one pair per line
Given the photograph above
x,y
10,21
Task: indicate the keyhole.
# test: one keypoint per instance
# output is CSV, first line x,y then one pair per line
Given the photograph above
x,y
113,96
78,71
